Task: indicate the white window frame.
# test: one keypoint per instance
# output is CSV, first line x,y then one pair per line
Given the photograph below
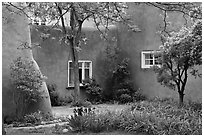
x,y
143,65
83,70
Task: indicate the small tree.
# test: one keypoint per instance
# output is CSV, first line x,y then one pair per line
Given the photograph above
x,y
182,52
26,81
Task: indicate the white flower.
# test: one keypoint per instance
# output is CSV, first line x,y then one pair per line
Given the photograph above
x,y
65,130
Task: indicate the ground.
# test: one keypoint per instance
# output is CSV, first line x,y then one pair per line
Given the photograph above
x,y
64,111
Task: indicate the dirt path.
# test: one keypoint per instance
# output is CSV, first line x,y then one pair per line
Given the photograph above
x,y
66,110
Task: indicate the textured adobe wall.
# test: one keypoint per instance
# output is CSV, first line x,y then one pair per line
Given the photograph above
x,y
15,31
53,56
132,44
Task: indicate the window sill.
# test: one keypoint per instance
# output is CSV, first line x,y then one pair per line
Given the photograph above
x,y
150,66
72,87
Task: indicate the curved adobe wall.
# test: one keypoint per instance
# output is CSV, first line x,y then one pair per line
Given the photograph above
x,y
15,31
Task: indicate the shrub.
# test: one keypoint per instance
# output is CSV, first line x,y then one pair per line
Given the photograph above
x,y
138,96
164,117
54,97
196,106
86,120
26,81
81,103
93,90
125,98
123,86
33,118
153,118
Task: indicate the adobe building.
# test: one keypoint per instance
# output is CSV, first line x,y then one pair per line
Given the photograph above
x,y
54,58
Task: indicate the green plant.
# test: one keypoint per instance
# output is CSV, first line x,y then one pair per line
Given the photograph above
x,y
156,117
33,118
125,98
26,81
93,90
55,99
81,103
37,118
138,96
163,116
181,56
123,87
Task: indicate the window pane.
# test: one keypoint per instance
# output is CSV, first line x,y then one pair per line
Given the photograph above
x,y
147,62
70,64
151,62
86,74
71,77
80,64
148,56
87,64
80,75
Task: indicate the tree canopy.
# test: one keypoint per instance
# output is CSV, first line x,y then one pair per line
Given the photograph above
x,y
182,52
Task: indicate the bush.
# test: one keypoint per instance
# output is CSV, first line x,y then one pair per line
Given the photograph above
x,y
125,98
81,103
33,118
93,90
26,81
164,117
138,96
123,86
153,118
86,120
54,97
196,106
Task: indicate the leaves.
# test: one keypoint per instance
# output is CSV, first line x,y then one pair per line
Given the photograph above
x,y
26,79
182,51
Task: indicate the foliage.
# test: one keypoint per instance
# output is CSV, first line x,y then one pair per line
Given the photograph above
x,y
182,53
81,103
166,118
93,90
54,97
87,120
33,118
26,81
123,87
157,117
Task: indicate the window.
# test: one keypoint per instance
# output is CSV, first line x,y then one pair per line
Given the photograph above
x,y
149,59
85,71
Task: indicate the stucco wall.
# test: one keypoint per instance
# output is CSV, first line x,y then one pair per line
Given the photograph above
x,y
15,32
148,20
53,57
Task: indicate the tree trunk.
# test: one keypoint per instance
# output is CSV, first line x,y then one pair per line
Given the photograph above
x,y
181,97
75,58
76,72
76,81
